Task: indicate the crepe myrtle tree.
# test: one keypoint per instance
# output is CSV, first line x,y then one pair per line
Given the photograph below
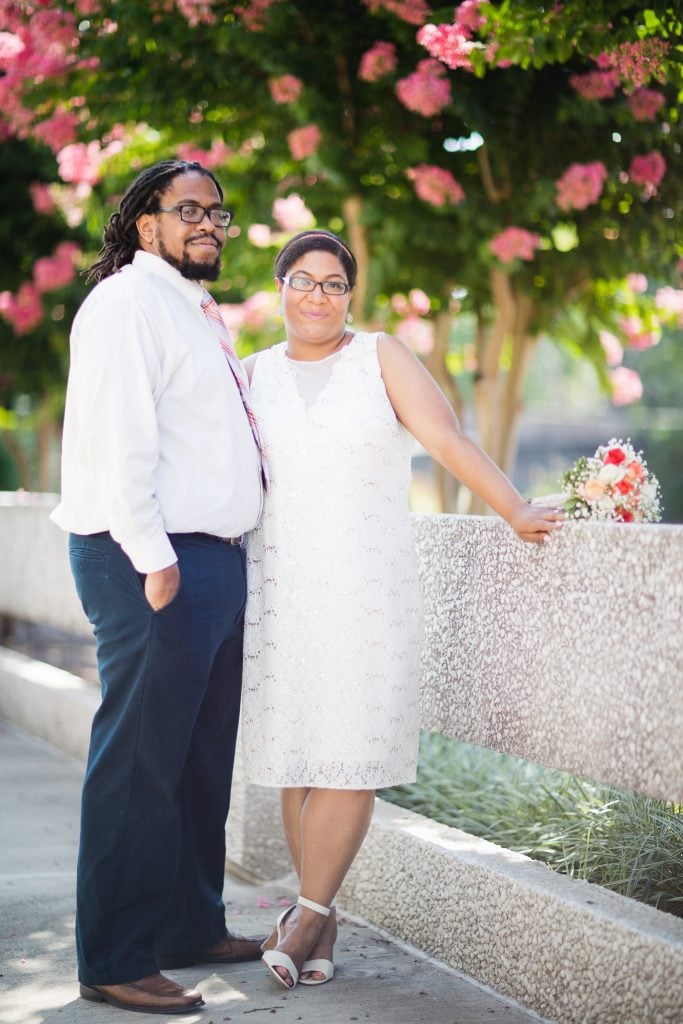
x,y
516,162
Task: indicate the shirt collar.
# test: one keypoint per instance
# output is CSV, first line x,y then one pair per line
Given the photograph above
x,y
149,262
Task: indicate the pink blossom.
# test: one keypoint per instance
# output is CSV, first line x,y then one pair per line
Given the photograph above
x,y
10,47
191,153
645,104
612,348
670,301
80,162
292,214
416,303
435,185
419,301
259,235
580,185
636,335
468,17
233,315
218,154
117,133
49,273
42,199
626,386
378,61
418,334
58,270
415,12
88,7
448,43
57,131
427,91
253,14
304,141
514,243
197,12
637,283
71,200
595,85
637,62
23,310
648,170
285,88
259,308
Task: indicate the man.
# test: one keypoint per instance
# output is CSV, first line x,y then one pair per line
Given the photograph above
x,y
161,475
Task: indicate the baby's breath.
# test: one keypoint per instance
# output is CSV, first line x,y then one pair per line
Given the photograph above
x,y
614,484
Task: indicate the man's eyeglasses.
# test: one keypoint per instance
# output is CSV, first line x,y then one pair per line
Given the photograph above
x,y
307,284
193,213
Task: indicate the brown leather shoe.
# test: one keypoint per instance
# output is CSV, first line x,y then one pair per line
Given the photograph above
x,y
154,994
233,949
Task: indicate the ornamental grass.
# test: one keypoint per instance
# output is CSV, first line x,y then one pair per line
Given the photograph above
x,y
619,839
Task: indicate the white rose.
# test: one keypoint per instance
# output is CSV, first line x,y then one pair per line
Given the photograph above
x,y
610,474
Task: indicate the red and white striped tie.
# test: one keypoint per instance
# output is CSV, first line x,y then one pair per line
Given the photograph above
x,y
217,325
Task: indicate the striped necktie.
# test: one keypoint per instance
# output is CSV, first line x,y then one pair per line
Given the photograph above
x,y
217,325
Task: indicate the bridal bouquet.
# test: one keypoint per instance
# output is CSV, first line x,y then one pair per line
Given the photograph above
x,y
614,484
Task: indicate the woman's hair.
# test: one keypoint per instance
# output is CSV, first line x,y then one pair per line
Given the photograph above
x,y
121,239
315,241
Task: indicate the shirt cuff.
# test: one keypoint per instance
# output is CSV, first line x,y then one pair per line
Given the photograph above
x,y
151,555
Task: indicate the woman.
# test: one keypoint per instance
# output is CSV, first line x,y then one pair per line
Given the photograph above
x,y
333,621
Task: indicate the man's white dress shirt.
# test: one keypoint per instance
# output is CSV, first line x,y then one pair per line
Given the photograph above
x,y
156,439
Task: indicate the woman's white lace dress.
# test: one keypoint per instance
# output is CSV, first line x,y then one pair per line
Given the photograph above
x,y
333,620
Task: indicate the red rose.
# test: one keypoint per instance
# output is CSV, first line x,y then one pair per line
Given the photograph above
x,y
624,486
626,517
615,456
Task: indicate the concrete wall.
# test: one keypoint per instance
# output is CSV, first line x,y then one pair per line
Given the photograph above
x,y
570,655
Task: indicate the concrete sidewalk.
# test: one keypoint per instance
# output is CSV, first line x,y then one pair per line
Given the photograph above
x,y
379,981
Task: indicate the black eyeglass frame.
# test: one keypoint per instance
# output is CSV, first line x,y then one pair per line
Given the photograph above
x,y
335,284
218,217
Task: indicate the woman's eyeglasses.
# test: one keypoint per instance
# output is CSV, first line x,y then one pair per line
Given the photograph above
x,y
307,284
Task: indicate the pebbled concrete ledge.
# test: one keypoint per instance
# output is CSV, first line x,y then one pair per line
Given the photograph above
x,y
572,952
570,655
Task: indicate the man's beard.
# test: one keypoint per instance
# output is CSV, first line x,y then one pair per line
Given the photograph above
x,y
190,268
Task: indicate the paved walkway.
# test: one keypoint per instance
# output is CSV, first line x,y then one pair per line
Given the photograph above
x,y
379,981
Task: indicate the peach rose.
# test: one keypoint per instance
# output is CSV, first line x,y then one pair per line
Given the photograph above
x,y
593,489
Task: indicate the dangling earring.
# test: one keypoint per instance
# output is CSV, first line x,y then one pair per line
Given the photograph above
x,y
349,317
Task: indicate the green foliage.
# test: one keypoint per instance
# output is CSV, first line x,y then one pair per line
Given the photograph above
x,y
9,477
170,83
621,840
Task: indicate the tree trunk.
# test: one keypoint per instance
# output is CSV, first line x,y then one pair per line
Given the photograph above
x,y
497,401
47,432
353,209
447,487
21,460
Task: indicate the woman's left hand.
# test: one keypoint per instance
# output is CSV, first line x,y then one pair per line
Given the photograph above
x,y
535,524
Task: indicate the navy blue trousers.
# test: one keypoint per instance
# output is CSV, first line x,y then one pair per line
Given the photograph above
x,y
156,794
